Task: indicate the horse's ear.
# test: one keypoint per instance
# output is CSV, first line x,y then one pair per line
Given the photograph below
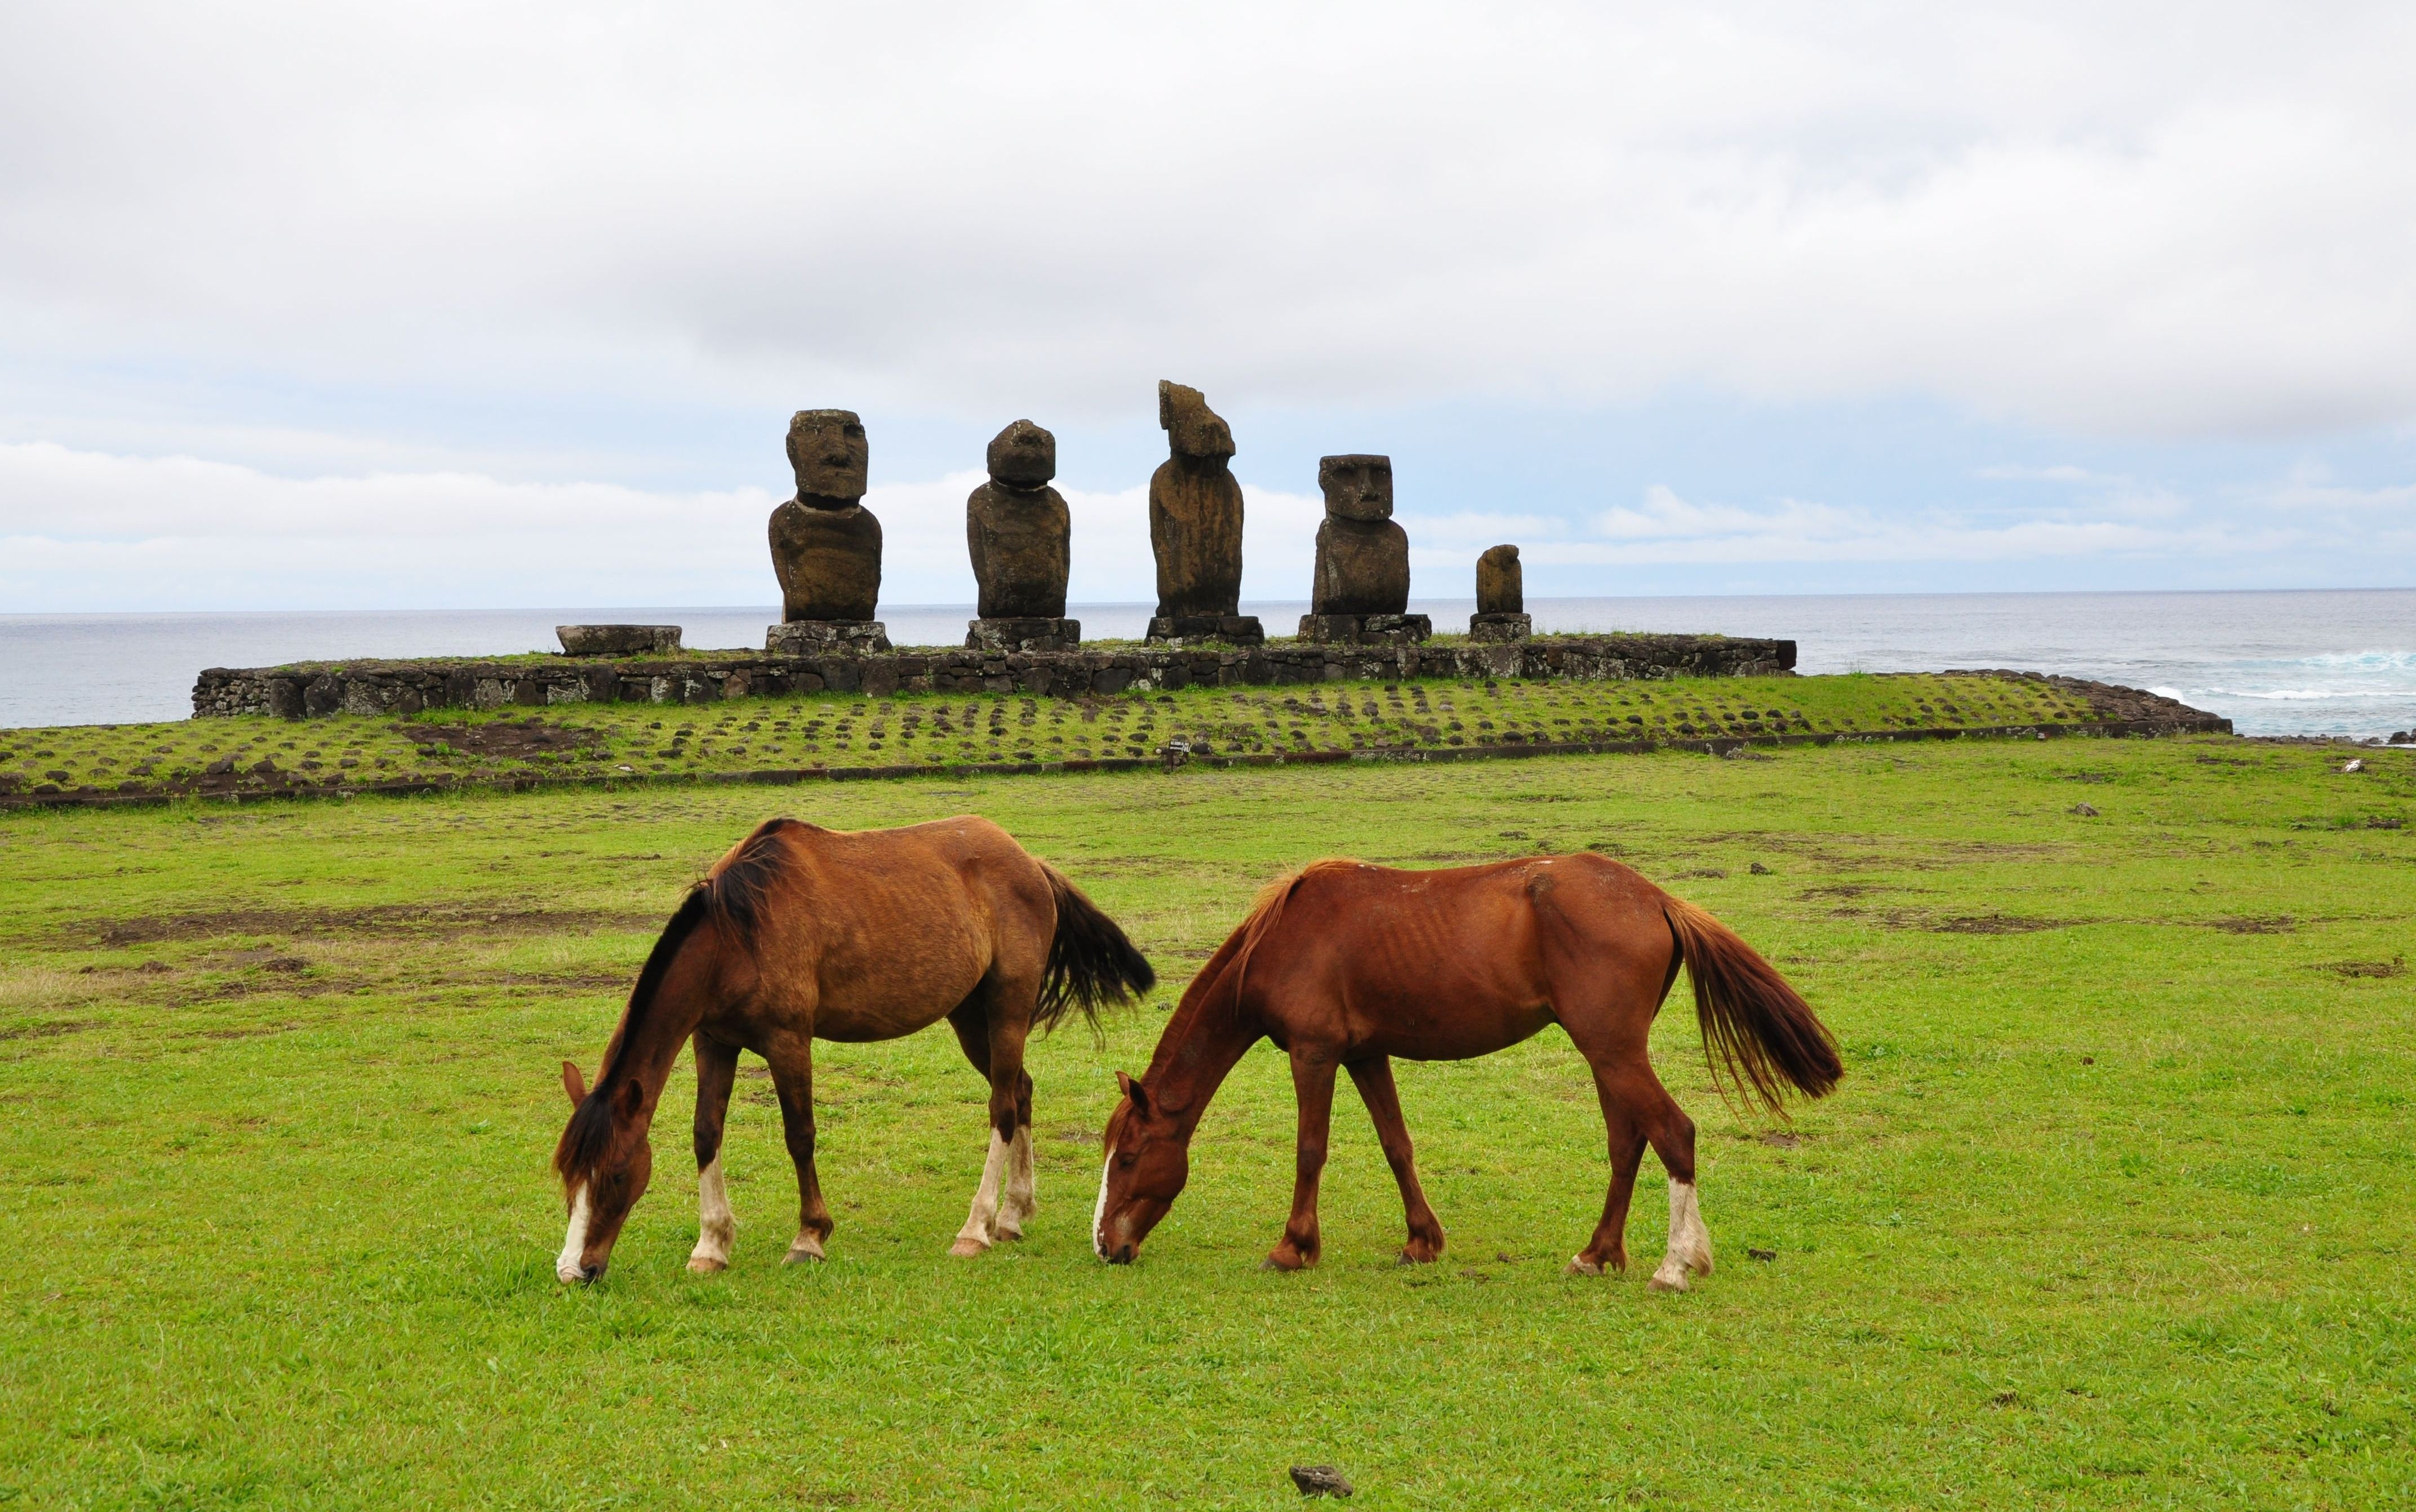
x,y
574,1084
1133,1089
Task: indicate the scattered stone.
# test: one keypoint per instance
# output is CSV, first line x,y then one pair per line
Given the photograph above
x,y
1320,1481
2089,1060
825,545
1766,1256
1195,525
1501,598
220,768
1758,869
2084,811
1019,534
2355,764
618,640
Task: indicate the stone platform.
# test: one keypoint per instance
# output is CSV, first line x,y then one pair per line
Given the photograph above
x,y
384,688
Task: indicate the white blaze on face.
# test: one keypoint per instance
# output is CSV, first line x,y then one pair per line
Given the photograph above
x,y
1099,1212
574,1243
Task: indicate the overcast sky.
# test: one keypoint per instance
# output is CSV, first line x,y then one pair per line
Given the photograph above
x,y
417,306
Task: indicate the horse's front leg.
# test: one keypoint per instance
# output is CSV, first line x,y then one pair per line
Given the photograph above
x,y
1009,1145
1312,1083
793,1077
716,1229
1374,1079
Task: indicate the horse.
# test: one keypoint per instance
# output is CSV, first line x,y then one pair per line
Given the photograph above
x,y
1346,964
801,933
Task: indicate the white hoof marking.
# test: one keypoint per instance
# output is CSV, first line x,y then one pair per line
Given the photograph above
x,y
716,1228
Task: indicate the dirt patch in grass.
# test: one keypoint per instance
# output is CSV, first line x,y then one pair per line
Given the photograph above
x,y
2277,924
387,918
2396,966
1995,924
516,740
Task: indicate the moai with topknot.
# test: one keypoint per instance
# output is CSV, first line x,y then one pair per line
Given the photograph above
x,y
1194,526
1018,531
1361,593
825,544
1501,598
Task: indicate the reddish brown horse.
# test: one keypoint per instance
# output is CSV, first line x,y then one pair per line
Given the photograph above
x,y
801,933
1346,965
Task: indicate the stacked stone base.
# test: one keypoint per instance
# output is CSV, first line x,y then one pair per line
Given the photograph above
x,y
1501,627
1366,629
1025,635
823,637
392,687
1182,629
619,640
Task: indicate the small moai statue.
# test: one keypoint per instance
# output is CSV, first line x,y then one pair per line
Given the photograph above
x,y
1501,598
825,544
1361,593
1194,526
1018,531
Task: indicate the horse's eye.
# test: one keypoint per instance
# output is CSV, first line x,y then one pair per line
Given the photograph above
x,y
1126,1160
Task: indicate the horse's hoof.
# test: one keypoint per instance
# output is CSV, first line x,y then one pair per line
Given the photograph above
x,y
1416,1257
802,1251
706,1265
1579,1265
965,1249
1281,1262
1005,1234
1668,1278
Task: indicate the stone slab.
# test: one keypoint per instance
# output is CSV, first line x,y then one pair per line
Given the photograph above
x,y
1027,634
618,640
1501,627
1366,629
810,637
1179,629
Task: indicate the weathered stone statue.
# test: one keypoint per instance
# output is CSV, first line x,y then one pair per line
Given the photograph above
x,y
825,544
1195,525
1501,598
1361,593
1018,531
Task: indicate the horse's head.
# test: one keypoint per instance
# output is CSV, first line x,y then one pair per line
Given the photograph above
x,y
1149,1158
605,1159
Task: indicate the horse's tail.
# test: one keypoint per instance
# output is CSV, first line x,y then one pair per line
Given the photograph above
x,y
1090,963
1756,1029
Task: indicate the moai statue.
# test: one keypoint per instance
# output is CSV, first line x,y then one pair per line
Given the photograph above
x,y
1018,530
1194,526
1501,598
825,544
1361,593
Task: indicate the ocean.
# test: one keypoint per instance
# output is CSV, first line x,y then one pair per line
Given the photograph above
x,y
2328,662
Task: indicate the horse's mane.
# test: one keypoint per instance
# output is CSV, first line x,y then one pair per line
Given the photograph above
x,y
730,899
1209,990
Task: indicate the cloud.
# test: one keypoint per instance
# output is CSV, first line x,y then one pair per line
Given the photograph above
x,y
83,530
2127,221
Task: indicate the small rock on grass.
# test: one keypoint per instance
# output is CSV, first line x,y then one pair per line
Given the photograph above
x,y
1764,1255
2084,811
1320,1481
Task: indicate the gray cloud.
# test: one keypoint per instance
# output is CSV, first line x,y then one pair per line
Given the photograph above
x,y
2168,220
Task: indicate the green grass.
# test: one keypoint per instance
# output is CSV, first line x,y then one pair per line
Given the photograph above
x,y
2114,1208
934,730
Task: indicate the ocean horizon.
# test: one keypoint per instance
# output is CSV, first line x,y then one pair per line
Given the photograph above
x,y
2275,662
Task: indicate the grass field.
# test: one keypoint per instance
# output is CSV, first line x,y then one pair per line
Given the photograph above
x,y
2114,1207
935,731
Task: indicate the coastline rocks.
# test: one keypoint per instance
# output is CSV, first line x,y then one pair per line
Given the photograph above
x,y
618,640
1501,598
1195,525
825,545
1361,590
1019,534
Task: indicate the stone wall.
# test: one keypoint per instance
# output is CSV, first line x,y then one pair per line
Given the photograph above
x,y
375,688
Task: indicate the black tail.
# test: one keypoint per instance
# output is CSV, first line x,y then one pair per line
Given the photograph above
x,y
1755,1027
1090,960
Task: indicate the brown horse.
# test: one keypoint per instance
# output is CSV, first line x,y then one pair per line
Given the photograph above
x,y
1344,964
801,933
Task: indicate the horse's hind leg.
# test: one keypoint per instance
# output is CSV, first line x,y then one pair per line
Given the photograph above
x,y
793,1077
1672,1134
1374,1079
1607,1248
994,1042
717,1069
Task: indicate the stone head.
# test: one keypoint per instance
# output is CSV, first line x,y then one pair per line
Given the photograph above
x,y
827,449
1357,487
1191,427
1023,455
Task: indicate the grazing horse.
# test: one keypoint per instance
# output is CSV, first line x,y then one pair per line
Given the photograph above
x,y
803,933
1344,964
